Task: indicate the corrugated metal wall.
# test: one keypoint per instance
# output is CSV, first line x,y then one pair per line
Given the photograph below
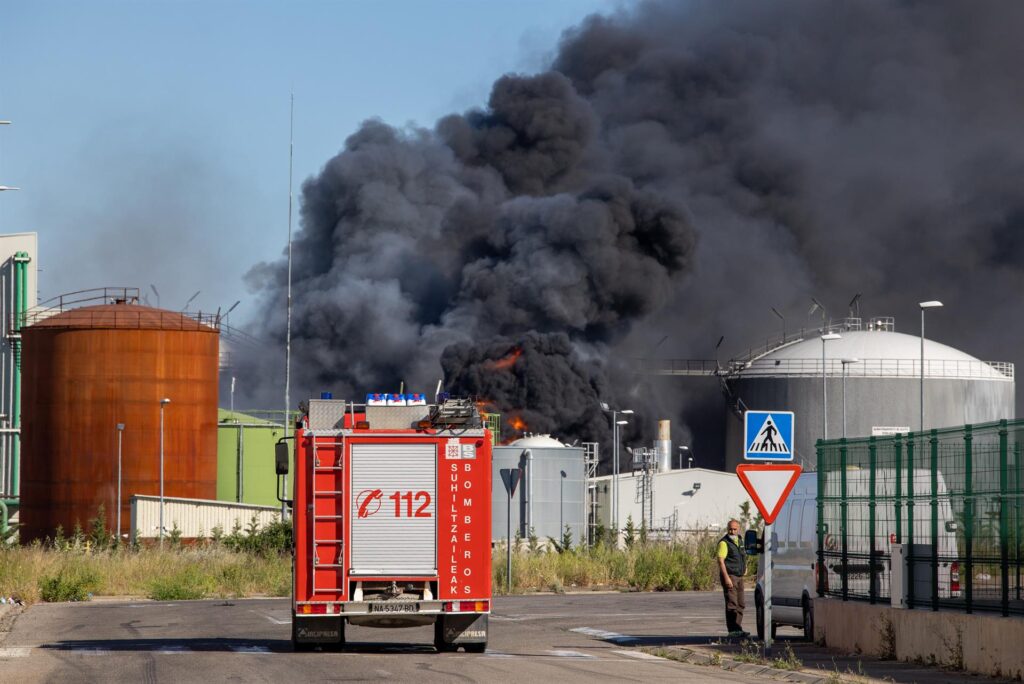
x,y
194,517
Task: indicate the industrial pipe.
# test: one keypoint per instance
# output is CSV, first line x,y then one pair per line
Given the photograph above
x,y
21,259
528,455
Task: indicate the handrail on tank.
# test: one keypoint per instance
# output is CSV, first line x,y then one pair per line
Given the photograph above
x,y
98,295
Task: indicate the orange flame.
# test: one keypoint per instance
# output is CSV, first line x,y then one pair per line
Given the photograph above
x,y
508,361
518,423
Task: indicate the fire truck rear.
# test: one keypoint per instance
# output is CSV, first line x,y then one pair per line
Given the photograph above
x,y
392,520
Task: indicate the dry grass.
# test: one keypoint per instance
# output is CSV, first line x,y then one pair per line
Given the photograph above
x,y
172,573
35,573
679,566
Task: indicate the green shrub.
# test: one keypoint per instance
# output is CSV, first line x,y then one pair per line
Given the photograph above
x,y
71,583
186,584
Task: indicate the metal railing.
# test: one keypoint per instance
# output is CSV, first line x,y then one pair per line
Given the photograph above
x,y
146,319
883,368
72,304
954,498
698,367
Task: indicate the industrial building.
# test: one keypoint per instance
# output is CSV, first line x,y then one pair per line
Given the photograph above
x,y
245,458
673,502
881,371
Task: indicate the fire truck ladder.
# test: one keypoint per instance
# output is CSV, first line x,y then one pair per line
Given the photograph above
x,y
327,506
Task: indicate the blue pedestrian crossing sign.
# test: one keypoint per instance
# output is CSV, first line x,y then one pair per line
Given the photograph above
x,y
768,435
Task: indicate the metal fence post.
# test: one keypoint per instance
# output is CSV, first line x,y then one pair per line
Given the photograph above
x,y
843,511
872,568
934,444
910,520
897,447
1004,521
1016,506
822,470
969,515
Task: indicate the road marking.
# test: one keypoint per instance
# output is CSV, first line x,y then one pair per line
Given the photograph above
x,y
150,605
250,649
14,652
173,650
614,637
640,655
273,619
570,654
498,654
90,651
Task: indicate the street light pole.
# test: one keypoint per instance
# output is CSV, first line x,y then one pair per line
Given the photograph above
x,y
846,363
614,518
120,433
163,402
689,458
824,383
932,304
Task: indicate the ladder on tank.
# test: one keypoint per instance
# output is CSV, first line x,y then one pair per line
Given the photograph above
x,y
327,489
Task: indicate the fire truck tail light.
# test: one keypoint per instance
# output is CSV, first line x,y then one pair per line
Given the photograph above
x,y
467,606
362,425
316,609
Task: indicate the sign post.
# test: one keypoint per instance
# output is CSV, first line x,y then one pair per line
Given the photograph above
x,y
767,590
510,476
768,438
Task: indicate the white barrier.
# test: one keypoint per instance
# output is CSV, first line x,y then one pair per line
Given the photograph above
x,y
195,517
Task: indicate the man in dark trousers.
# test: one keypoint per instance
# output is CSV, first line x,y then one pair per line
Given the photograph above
x,y
732,566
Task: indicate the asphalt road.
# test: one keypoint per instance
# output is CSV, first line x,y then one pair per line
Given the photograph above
x,y
567,638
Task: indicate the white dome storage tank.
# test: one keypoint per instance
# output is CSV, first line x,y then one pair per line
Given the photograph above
x,y
883,386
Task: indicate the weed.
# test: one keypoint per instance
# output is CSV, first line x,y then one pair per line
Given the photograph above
x,y
787,660
189,583
629,537
72,582
99,537
175,536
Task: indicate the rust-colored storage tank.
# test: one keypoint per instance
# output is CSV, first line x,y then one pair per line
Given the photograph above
x,y
88,369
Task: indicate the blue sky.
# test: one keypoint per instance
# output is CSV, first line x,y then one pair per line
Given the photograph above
x,y
150,139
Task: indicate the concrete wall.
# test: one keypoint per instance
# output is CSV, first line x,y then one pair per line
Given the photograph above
x,y
986,644
869,402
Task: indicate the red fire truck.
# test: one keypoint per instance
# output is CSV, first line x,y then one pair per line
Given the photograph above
x,y
392,519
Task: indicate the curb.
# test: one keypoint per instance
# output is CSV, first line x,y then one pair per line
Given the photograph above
x,y
714,659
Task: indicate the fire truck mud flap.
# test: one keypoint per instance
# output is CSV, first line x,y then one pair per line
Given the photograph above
x,y
468,630
329,629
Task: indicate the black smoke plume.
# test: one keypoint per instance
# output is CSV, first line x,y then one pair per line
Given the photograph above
x,y
682,168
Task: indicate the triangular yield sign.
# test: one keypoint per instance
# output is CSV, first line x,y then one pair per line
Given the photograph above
x,y
510,476
768,485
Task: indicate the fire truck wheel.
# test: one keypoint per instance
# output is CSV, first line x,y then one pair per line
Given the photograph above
x,y
440,644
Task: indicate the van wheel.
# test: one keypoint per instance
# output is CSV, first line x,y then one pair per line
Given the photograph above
x,y
808,622
759,610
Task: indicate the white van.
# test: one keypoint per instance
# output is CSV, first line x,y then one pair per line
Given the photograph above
x,y
795,544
